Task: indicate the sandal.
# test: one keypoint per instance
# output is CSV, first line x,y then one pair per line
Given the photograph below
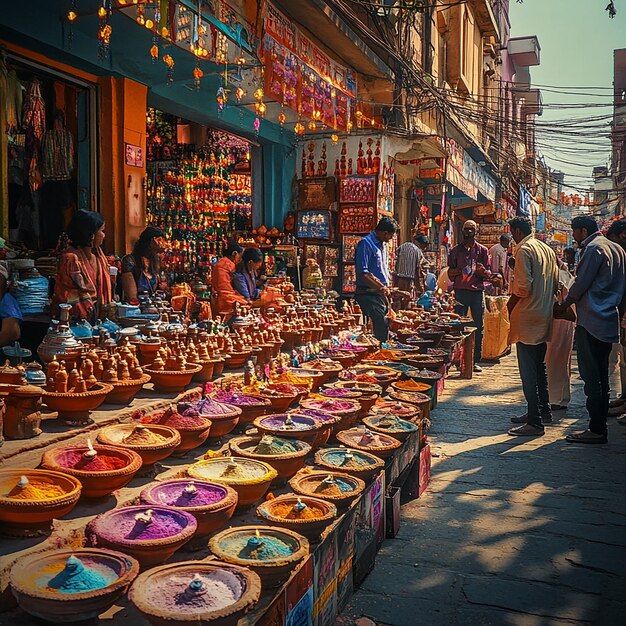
x,y
586,436
617,402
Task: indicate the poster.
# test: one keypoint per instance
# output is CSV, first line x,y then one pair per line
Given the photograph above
x,y
374,507
357,189
350,243
345,542
313,225
300,598
331,262
357,218
325,577
276,613
349,279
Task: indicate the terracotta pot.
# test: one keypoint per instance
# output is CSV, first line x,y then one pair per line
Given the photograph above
x,y
150,453
23,516
192,437
309,528
389,425
235,360
96,484
38,600
218,368
316,334
280,403
286,464
211,516
224,424
108,530
348,416
23,412
124,391
229,546
148,352
403,410
289,338
206,373
418,399
75,407
307,428
169,605
316,377
172,381
382,446
312,484
277,346
334,460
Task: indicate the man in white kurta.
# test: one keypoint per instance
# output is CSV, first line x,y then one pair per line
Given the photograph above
x,y
535,283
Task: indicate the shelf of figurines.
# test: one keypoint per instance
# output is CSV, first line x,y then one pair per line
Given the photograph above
x,y
226,504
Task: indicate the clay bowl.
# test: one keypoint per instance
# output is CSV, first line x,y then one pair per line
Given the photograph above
x,y
415,386
255,407
286,463
173,381
403,410
151,543
345,359
75,407
427,377
378,444
380,374
348,461
420,343
370,392
232,546
96,483
313,376
32,574
206,373
432,335
210,503
328,367
390,425
428,362
332,423
286,512
148,351
235,359
165,595
345,408
316,334
124,391
223,417
280,402
26,510
250,478
220,364
291,426
150,452
289,338
341,491
193,432
420,400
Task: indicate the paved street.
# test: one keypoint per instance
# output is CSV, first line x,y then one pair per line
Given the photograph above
x,y
510,531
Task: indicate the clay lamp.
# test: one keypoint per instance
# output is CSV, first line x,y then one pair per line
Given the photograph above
x,y
336,487
100,469
349,461
378,444
31,498
150,534
286,456
152,442
281,396
305,515
332,423
194,593
420,400
125,390
370,392
75,407
193,430
291,426
211,504
250,478
223,417
251,405
173,380
272,553
391,425
348,410
403,410
328,367
63,586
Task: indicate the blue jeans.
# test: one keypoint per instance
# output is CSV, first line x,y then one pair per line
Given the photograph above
x,y
593,364
531,361
475,302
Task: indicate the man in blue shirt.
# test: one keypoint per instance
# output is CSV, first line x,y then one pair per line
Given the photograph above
x,y
373,277
10,313
599,293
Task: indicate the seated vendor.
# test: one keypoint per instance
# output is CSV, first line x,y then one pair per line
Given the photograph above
x,y
223,294
10,313
245,278
140,268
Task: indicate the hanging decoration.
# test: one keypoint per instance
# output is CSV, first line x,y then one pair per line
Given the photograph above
x,y
71,16
257,125
169,62
221,98
239,94
197,76
104,30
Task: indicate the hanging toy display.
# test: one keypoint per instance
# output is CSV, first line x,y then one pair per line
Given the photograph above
x,y
169,62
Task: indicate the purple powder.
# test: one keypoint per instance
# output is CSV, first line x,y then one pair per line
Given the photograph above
x,y
331,405
320,416
336,392
177,494
237,398
278,422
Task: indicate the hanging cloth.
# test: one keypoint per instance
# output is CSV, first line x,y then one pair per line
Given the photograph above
x,y
34,120
58,154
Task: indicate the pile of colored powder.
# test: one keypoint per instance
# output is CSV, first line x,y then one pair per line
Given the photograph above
x,y
77,577
275,445
36,490
409,396
322,364
428,374
144,436
337,488
332,405
320,416
239,399
337,392
339,459
99,463
282,389
269,548
295,423
392,423
219,590
384,355
162,525
207,406
289,511
174,494
170,418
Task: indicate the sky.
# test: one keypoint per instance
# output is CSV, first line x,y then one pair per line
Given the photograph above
x,y
577,40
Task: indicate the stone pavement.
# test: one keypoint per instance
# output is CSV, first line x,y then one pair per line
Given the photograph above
x,y
510,531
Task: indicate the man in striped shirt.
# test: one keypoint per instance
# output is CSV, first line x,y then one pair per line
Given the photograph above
x,y
409,259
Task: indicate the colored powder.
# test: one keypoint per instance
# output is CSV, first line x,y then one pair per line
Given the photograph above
x,y
162,525
220,589
76,577
320,416
99,463
337,488
428,374
282,389
411,385
36,490
240,471
270,548
340,393
392,423
239,399
208,406
143,437
412,397
320,364
394,408
338,458
384,355
287,510
332,405
296,423
174,494
362,378
171,418
275,445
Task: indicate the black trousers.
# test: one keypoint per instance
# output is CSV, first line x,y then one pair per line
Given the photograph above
x,y
532,370
593,364
475,302
376,308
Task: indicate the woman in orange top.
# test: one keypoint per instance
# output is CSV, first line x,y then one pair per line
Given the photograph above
x,y
83,276
223,292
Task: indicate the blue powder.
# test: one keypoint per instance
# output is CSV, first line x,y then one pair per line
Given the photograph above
x,y
343,485
270,548
76,578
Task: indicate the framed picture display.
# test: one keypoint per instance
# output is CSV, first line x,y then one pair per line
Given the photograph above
x,y
357,219
349,278
331,261
357,189
314,225
316,193
350,243
314,251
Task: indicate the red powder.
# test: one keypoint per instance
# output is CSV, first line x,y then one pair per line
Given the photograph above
x,y
172,418
99,463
